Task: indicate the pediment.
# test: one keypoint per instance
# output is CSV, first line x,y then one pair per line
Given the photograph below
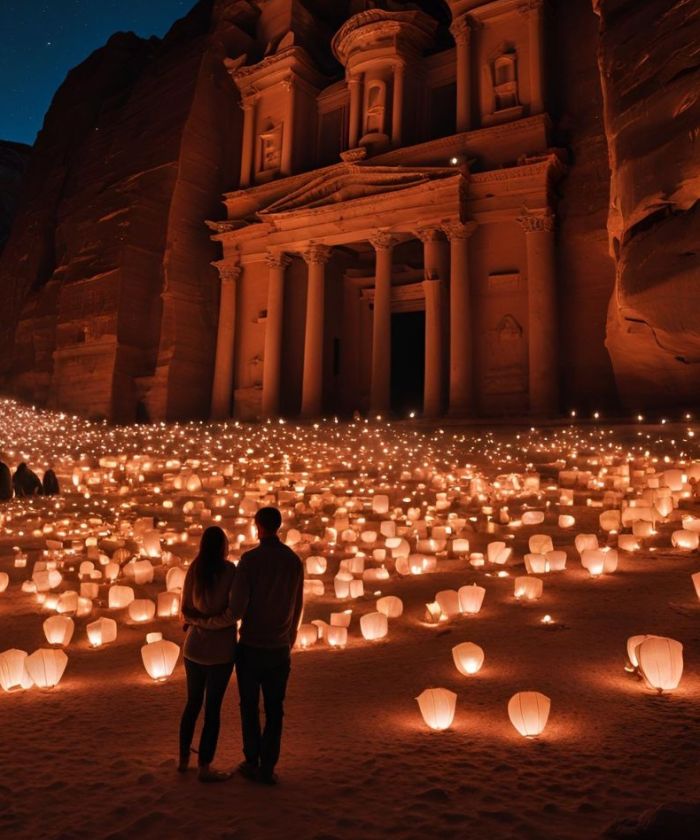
x,y
348,182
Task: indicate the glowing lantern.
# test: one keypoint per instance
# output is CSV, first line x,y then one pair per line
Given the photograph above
x,y
111,571
313,587
610,520
536,564
159,658
175,579
433,613
391,606
528,712
556,560
84,607
316,565
13,672
85,568
533,517
307,635
47,579
374,625
357,589
194,485
4,581
687,540
448,601
341,619
696,583
59,630
627,542
120,597
528,588
46,666
460,547
642,528
67,602
566,520
540,544
471,598
468,658
341,584
102,632
140,571
168,604
337,637
437,705
661,662
142,609
497,552
156,636
151,543
89,590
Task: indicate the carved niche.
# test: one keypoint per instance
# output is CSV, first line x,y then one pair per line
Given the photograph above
x,y
500,86
271,147
506,372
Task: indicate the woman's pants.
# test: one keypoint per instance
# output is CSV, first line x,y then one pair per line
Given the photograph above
x,y
205,684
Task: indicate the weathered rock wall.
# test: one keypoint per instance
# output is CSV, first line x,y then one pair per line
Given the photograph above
x,y
14,158
649,57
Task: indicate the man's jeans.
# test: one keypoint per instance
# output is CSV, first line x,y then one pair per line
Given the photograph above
x,y
265,669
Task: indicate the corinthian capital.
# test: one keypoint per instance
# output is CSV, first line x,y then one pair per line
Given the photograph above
x,y
317,253
277,259
533,222
382,240
458,230
228,272
428,234
461,30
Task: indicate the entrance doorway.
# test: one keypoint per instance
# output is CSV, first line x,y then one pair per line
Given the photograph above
x,y
407,362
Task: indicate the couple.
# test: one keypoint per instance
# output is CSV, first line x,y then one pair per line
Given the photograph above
x,y
265,591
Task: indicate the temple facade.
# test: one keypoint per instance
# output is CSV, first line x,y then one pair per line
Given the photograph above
x,y
392,245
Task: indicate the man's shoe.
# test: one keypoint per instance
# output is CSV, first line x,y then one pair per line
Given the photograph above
x,y
248,770
207,775
267,777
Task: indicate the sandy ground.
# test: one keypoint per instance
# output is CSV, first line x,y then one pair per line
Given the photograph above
x,y
95,757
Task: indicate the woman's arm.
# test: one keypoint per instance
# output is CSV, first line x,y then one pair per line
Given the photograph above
x,y
234,610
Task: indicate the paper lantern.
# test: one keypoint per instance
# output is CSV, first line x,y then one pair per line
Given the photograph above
x,y
696,583
471,598
46,666
341,584
307,635
527,588
433,613
313,587
476,559
151,543
642,528
661,662
67,602
532,517
610,520
498,553
120,597
448,601
140,571
194,484
536,564
85,568
47,579
437,705
111,571
141,610
355,565
13,671
585,542
528,712
159,659
89,590
540,544
315,565
468,658
556,560
168,604
391,606
374,625
368,537
175,579
59,630
4,581
102,632
155,636
341,619
627,542
566,520
84,607
687,540
357,589
460,547
337,637
597,561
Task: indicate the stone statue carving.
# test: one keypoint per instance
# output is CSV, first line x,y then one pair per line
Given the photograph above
x,y
376,107
271,147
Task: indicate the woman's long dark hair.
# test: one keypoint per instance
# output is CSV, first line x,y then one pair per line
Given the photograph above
x,y
209,562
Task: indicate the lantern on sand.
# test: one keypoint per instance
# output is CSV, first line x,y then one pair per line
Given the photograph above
x,y
13,673
556,560
471,598
498,553
168,604
433,613
661,662
380,504
540,544
533,517
448,600
527,588
59,630
566,520
392,607
46,666
528,712
374,625
627,542
159,659
315,565
89,590
140,571
155,636
357,589
341,583
4,581
610,520
337,637
584,542
141,610
307,635
437,705
151,543
120,597
341,619
112,571
468,658
102,632
175,578
632,644
313,587
536,564
687,540
460,546
67,602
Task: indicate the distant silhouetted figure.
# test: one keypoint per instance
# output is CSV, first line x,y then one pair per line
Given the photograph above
x,y
26,482
50,483
209,654
5,482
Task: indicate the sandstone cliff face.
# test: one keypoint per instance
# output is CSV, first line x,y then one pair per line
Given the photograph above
x,y
107,270
13,164
649,57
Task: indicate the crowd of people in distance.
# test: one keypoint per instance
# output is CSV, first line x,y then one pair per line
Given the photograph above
x,y
25,482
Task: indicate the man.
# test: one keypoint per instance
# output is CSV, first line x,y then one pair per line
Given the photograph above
x,y
26,482
267,595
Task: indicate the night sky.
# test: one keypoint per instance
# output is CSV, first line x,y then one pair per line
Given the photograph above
x,y
41,40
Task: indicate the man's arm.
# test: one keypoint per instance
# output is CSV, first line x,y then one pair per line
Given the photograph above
x,y
238,602
298,606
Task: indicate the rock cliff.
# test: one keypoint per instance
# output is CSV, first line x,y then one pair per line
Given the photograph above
x,y
13,164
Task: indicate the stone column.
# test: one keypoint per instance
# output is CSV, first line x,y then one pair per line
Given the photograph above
x,y
272,359
461,326
534,12
432,288
461,33
542,312
222,388
316,257
355,107
247,150
286,159
380,386
397,103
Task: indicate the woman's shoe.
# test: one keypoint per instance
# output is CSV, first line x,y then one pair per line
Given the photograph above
x,y
184,764
206,774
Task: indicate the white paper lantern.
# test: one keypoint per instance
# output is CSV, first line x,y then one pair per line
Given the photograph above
x,y
155,636
140,571
468,658
374,625
390,606
341,584
556,560
687,540
159,659
168,604
307,635
315,565
59,630
142,610
85,568
527,588
528,712
67,602
448,600
341,619
594,561
540,544
46,666
120,597
47,579
175,579
84,607
111,571
4,581
566,520
460,547
585,542
610,520
471,598
357,589
437,705
313,587
151,543
337,637
13,673
102,632
632,644
89,590
661,662
532,517
627,542
536,564
497,552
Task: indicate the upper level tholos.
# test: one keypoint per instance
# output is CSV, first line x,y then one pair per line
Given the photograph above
x,y
408,77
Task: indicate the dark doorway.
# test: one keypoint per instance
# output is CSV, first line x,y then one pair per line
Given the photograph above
x,y
407,362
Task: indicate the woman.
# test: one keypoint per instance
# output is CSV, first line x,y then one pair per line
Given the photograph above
x,y
209,654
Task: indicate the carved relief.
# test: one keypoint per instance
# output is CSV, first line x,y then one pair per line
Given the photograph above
x,y
375,108
506,365
271,147
505,83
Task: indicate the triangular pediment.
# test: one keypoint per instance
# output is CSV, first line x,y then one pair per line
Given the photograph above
x,y
347,182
